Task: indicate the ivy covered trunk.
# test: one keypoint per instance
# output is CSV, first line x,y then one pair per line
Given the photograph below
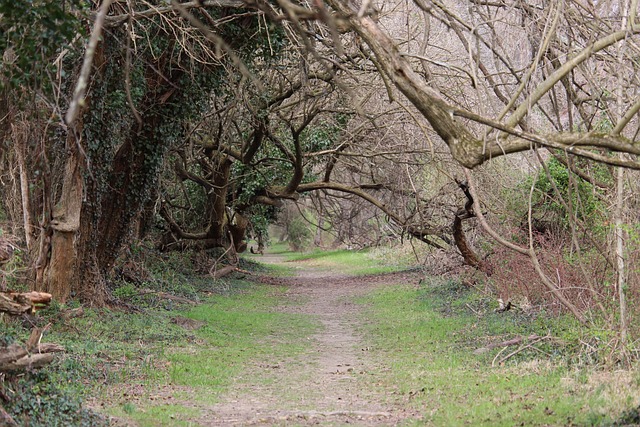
x,y
140,97
109,175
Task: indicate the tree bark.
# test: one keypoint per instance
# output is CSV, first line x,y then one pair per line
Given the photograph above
x,y
459,237
59,272
24,192
120,179
217,200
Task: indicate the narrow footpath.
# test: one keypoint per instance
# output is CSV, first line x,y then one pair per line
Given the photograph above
x,y
327,384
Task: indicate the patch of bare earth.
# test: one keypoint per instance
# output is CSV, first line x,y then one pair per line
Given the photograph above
x,y
327,384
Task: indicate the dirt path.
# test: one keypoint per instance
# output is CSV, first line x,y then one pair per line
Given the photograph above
x,y
324,386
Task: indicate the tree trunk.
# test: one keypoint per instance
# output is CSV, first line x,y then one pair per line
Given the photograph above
x,y
317,239
238,231
469,256
621,276
459,237
24,192
217,200
98,207
56,273
620,204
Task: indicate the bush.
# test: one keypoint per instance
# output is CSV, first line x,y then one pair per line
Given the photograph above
x,y
582,196
299,233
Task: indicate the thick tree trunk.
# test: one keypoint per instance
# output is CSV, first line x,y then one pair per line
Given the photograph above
x,y
238,232
223,229
56,273
123,203
98,207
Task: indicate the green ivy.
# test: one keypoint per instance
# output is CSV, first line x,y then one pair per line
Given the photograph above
x,y
36,31
582,194
39,400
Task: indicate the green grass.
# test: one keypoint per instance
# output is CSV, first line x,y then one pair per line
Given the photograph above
x,y
237,330
279,248
162,415
347,262
422,337
426,342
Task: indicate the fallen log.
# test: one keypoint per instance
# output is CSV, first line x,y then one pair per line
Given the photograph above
x,y
15,352
17,303
30,361
219,273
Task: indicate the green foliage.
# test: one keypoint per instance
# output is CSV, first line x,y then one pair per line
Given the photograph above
x,y
38,399
261,216
36,31
125,291
9,277
299,233
250,182
323,135
581,195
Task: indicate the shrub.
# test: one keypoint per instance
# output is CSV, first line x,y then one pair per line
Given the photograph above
x,y
299,233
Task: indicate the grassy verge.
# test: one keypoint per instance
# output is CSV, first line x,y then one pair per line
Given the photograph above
x,y
426,339
234,332
152,360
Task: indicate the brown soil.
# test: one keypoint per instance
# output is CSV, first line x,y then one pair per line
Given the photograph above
x,y
327,385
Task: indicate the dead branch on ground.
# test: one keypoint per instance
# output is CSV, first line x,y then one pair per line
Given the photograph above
x,y
32,354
